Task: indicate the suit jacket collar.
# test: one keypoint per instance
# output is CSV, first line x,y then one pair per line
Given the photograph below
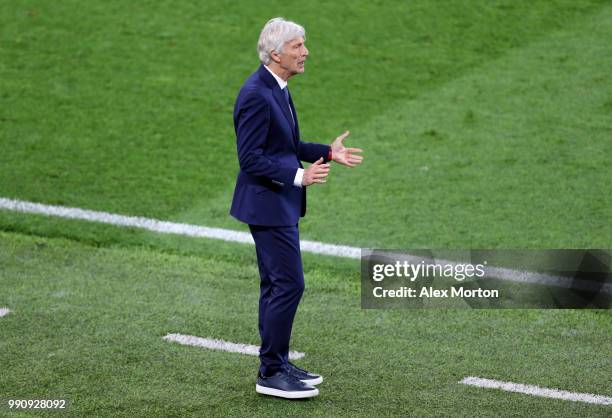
x,y
281,83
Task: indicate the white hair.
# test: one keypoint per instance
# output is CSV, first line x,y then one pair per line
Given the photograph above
x,y
274,35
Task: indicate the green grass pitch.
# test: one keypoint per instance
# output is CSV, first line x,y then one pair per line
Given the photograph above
x,y
485,124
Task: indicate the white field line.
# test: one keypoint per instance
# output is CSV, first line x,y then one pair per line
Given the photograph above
x,y
4,311
251,350
165,227
229,235
537,391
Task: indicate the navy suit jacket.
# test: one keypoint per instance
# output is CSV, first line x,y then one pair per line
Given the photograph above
x,y
269,154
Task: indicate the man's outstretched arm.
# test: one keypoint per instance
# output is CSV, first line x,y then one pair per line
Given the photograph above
x,y
311,152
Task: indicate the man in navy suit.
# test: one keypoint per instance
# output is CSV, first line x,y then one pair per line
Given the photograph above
x,y
270,196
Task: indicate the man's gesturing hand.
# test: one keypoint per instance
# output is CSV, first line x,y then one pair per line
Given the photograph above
x,y
316,173
345,156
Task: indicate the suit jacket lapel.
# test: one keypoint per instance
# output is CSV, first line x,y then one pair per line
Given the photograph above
x,y
280,99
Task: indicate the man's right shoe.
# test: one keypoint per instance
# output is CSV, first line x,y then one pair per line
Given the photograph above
x,y
284,385
303,375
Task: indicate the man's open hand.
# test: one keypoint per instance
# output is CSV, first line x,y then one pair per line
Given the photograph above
x,y
316,173
345,156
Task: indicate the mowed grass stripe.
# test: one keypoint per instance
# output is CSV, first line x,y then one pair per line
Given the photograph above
x,y
484,159
536,390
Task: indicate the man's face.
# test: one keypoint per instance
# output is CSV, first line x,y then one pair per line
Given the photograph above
x,y
293,56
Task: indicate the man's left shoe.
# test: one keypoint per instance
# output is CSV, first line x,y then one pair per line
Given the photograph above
x,y
303,375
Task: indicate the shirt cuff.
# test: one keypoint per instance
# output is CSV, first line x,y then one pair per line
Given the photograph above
x,y
297,182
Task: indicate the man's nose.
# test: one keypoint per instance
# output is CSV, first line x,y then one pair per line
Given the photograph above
x,y
305,51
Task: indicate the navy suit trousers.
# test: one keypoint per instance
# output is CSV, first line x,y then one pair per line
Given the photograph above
x,y
281,287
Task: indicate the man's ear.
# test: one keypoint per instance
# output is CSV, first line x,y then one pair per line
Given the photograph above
x,y
275,56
